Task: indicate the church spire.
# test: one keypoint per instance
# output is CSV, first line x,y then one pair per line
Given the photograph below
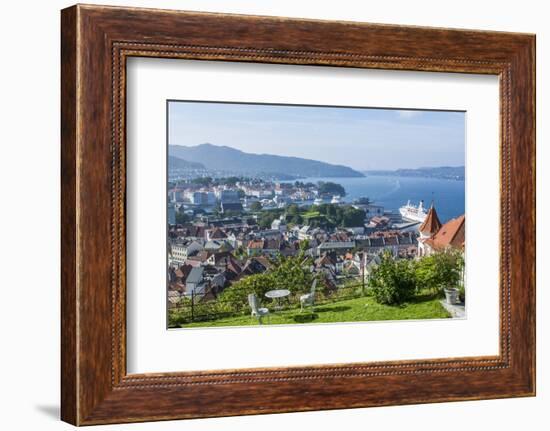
x,y
431,224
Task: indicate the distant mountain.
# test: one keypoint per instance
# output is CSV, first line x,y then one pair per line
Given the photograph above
x,y
443,172
178,163
222,158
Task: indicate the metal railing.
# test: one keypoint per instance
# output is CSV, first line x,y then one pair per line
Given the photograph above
x,y
195,308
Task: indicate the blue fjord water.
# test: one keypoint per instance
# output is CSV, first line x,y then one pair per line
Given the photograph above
x,y
392,192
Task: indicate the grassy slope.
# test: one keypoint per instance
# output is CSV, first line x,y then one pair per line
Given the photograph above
x,y
351,310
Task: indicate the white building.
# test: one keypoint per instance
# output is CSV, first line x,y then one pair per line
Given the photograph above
x,y
279,224
179,252
258,192
304,233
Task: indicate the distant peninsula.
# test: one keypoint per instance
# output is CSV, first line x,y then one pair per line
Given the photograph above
x,y
441,172
177,163
227,159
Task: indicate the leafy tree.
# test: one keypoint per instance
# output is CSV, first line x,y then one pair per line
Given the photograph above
x,y
203,181
332,215
393,281
256,206
237,294
353,217
338,215
318,221
295,219
440,270
266,218
292,210
182,218
292,273
230,181
334,212
328,188
217,211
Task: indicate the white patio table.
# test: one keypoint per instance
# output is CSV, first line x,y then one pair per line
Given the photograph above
x,y
278,294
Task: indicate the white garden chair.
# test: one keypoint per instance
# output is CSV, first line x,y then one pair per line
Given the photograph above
x,y
257,311
309,298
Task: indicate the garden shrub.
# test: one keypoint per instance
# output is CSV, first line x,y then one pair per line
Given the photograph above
x,y
440,270
393,281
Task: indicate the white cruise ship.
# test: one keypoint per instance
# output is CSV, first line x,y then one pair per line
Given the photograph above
x,y
413,213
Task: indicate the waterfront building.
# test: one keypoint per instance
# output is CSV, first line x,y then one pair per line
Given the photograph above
x,y
371,210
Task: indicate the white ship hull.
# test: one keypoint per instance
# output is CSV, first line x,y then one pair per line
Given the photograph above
x,y
413,213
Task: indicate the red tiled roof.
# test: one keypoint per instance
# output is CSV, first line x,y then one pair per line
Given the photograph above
x,y
451,234
432,224
256,244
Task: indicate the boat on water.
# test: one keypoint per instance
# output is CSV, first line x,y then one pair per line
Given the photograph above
x,y
318,201
413,213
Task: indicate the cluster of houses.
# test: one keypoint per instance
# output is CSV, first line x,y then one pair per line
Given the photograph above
x,y
189,196
206,257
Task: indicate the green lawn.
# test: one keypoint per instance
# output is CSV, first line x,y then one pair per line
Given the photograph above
x,y
350,310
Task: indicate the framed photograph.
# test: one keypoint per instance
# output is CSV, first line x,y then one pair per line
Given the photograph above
x,y
255,237
265,215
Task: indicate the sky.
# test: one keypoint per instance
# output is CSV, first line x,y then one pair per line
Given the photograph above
x,y
361,138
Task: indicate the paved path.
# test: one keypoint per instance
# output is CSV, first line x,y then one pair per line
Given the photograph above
x,y
456,310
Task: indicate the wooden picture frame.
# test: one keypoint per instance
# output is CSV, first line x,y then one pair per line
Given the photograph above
x,y
95,42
